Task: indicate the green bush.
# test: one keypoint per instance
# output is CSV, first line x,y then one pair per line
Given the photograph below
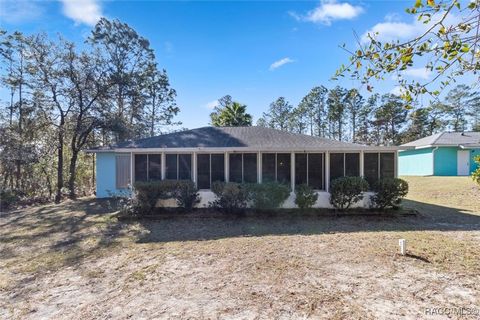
x,y
186,194
389,192
270,195
8,198
346,191
476,173
230,196
148,193
305,196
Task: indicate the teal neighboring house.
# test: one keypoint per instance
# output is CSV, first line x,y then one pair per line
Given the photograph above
x,y
441,154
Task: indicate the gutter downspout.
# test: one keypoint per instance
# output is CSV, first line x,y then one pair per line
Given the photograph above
x,y
433,160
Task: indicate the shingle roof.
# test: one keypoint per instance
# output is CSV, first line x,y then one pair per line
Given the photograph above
x,y
447,139
258,138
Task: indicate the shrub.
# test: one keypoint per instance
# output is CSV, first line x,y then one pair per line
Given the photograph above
x,y
230,196
148,193
186,194
305,196
389,192
270,195
8,198
346,191
476,173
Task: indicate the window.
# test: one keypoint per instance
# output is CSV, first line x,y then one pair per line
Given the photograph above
x,y
379,165
122,170
250,167
141,167
276,167
268,167
178,166
154,167
344,165
148,167
387,165
243,167
370,167
309,170
184,166
210,168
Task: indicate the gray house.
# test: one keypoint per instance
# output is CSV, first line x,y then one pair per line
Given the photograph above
x,y
239,154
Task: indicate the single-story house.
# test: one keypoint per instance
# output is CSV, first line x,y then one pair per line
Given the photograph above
x,y
239,154
441,154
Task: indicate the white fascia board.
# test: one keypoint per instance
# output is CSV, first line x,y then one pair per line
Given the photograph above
x,y
247,149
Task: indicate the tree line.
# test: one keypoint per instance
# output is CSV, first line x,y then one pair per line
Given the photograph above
x,y
346,115
64,98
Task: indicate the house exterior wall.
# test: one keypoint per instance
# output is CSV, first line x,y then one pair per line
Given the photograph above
x,y
106,181
105,169
445,161
417,162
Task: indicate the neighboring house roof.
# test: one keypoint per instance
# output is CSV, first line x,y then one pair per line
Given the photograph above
x,y
459,139
238,138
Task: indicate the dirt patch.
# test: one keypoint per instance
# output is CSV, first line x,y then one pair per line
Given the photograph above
x,y
76,260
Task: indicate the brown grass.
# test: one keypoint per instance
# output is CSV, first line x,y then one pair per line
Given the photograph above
x,y
75,260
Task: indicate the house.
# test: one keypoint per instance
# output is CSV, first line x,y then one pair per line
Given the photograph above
x,y
240,154
441,154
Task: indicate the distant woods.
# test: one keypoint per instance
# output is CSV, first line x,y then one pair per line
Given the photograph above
x,y
346,115
64,98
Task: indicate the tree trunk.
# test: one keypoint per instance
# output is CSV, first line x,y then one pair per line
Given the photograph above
x,y
58,195
73,171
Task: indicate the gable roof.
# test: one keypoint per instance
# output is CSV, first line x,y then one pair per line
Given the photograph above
x,y
462,139
238,138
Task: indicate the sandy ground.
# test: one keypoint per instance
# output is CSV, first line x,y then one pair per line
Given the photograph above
x,y
76,261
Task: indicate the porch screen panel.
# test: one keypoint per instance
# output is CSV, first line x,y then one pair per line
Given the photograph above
x,y
218,167
171,166
370,168
141,167
250,167
184,166
268,167
122,171
336,165
352,164
315,171
203,171
154,167
387,165
283,168
300,168
235,167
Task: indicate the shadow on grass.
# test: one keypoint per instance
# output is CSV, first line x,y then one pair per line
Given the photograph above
x,y
185,228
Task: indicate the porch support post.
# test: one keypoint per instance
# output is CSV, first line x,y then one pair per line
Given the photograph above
x,y
163,165
362,161
194,168
327,171
259,167
227,165
292,171
395,163
131,168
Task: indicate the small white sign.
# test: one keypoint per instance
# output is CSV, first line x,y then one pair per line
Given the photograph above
x,y
403,246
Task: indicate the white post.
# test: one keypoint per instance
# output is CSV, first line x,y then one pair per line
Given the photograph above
x,y
403,246
227,164
163,165
292,171
362,159
327,171
194,168
132,159
259,167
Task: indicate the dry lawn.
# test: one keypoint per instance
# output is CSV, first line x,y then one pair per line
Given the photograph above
x,y
76,261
